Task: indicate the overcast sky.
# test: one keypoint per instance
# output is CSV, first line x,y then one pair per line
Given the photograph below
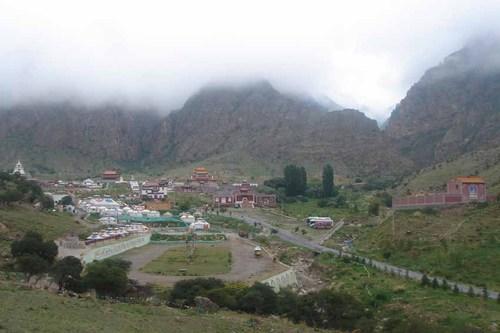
x,y
362,54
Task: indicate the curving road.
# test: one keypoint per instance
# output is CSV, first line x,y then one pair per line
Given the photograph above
x,y
382,266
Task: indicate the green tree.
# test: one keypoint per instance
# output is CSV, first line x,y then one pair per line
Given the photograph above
x,y
303,181
445,285
328,181
67,200
185,291
425,280
295,180
33,244
67,269
47,202
374,208
259,298
107,278
31,265
330,309
470,292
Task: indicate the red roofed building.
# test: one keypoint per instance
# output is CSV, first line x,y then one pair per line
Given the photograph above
x,y
201,175
243,195
111,175
459,190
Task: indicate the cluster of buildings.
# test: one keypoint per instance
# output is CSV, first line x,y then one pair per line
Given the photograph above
x,y
243,195
459,190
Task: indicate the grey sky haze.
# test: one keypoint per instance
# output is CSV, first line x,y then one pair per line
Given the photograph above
x,y
362,54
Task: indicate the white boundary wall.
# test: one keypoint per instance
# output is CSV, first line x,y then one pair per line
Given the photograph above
x,y
284,279
103,252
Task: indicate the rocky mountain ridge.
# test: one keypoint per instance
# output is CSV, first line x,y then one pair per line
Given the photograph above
x,y
256,119
453,109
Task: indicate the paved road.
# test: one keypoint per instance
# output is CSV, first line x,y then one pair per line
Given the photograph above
x,y
382,266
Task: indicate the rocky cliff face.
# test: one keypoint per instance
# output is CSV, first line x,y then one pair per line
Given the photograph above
x,y
453,109
277,129
69,138
256,119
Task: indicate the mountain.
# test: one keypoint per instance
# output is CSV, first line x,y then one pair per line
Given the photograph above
x,y
453,109
276,129
255,121
68,139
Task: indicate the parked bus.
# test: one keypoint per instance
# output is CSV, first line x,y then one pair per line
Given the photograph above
x,y
319,222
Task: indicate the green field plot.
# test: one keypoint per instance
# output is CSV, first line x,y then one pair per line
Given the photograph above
x,y
206,260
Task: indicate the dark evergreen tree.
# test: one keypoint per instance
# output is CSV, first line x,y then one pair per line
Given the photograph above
x,y
328,181
65,270
425,280
295,180
303,181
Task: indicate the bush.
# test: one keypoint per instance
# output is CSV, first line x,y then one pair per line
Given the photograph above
x,y
322,203
333,310
259,298
67,269
185,291
373,208
107,277
33,244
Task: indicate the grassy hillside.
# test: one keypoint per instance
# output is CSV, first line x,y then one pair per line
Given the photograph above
x,y
16,220
405,304
485,163
460,243
40,311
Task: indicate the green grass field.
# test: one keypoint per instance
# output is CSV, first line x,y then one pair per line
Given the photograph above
x,y
398,298
40,311
462,244
18,220
207,260
356,207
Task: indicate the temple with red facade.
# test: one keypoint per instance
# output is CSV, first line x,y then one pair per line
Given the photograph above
x,y
111,175
243,195
202,176
460,190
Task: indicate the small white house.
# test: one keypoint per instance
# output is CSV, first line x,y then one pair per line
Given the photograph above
x,y
107,220
199,225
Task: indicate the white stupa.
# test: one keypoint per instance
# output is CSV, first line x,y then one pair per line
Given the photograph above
x,y
19,169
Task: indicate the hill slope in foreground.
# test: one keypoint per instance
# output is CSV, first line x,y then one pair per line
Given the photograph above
x,y
460,244
16,221
40,311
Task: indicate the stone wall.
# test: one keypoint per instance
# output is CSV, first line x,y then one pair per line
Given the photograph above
x,y
285,279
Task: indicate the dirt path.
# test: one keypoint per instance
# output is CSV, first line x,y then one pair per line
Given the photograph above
x,y
245,266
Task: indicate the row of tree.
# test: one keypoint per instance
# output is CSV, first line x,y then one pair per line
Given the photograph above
x,y
14,188
323,309
35,257
294,182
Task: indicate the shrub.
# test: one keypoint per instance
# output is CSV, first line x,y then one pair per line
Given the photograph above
x,y
107,277
185,291
66,269
259,298
373,208
322,203
425,280
329,309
